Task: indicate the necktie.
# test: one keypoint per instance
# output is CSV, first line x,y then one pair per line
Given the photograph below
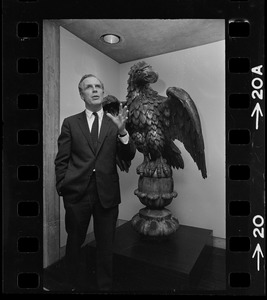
x,y
94,131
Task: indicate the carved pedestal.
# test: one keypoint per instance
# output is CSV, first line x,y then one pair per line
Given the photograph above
x,y
155,220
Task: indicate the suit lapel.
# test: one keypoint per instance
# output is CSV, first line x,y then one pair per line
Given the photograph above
x,y
85,129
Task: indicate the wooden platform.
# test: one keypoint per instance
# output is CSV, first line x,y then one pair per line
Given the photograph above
x,y
171,264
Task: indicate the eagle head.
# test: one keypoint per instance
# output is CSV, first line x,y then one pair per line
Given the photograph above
x,y
142,74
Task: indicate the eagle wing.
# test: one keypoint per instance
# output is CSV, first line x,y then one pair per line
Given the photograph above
x,y
112,105
181,115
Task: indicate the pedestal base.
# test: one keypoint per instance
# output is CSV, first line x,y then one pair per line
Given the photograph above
x,y
155,223
167,265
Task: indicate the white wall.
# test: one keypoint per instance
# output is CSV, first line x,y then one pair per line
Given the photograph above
x,y
199,71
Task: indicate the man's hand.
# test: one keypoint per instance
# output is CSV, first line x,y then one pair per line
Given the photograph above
x,y
120,119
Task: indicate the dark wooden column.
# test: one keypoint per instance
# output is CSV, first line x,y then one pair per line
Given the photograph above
x,y
51,105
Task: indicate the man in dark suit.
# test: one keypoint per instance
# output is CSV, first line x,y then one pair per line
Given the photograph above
x,y
86,176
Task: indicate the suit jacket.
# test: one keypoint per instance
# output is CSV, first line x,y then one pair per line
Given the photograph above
x,y
76,160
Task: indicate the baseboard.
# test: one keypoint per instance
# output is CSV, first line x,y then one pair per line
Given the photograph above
x,y
218,242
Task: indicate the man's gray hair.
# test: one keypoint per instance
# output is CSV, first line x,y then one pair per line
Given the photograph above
x,y
86,76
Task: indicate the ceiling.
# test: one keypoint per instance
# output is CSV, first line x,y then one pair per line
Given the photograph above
x,y
141,38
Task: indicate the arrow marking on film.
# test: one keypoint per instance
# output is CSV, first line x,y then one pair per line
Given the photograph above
x,y
258,251
257,110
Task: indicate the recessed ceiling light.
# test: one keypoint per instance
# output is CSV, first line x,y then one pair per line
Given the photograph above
x,y
110,38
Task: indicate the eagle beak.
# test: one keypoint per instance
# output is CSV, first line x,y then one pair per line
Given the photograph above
x,y
150,75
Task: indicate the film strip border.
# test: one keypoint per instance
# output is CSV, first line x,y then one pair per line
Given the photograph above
x,y
22,156
245,125
23,136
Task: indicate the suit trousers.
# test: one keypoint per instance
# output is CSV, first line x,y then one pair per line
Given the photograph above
x,y
77,220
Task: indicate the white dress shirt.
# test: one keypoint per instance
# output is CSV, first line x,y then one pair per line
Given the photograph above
x,y
90,119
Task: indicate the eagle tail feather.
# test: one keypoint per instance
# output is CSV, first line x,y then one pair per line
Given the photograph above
x,y
173,156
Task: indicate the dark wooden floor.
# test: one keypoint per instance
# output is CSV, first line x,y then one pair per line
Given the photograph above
x,y
127,280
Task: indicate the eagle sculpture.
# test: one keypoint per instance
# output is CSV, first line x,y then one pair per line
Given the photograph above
x,y
155,122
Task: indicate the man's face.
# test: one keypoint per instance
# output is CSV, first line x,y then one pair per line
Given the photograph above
x,y
92,93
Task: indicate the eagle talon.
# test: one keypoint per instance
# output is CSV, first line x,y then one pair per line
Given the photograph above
x,y
161,168
142,169
158,169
